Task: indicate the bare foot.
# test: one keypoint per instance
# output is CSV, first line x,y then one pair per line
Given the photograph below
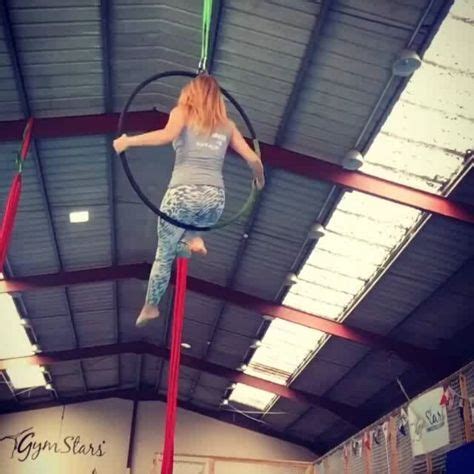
x,y
196,245
148,313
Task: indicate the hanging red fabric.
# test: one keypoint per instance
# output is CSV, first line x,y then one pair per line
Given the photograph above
x,y
13,199
173,369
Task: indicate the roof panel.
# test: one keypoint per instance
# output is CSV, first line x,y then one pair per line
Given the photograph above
x,y
447,311
101,379
10,106
95,296
261,48
45,302
76,176
284,413
79,54
150,28
315,421
240,321
54,333
400,12
278,232
95,328
69,385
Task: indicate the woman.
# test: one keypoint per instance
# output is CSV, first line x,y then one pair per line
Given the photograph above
x,y
200,132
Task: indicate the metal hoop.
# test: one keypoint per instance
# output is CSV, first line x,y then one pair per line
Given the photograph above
x,y
123,157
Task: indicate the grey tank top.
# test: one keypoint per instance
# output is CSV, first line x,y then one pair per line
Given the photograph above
x,y
200,158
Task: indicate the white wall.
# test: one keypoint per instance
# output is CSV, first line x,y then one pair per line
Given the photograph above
x,y
101,430
197,434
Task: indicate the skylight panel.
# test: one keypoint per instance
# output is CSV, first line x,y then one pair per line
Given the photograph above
x,y
308,305
251,396
320,293
361,227
29,376
329,264
344,245
331,279
286,345
13,339
14,342
377,209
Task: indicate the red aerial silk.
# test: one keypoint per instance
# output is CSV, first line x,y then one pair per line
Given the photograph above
x,y
8,220
13,199
173,370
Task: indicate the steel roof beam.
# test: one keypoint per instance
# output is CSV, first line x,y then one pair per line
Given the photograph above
x,y
293,162
149,395
346,412
414,355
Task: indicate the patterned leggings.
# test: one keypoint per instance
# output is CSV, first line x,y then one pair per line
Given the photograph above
x,y
197,205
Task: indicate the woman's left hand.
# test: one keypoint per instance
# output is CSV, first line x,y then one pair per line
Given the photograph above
x,y
121,143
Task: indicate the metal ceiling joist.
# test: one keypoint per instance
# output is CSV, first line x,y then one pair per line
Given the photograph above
x,y
412,354
293,162
305,63
342,410
150,395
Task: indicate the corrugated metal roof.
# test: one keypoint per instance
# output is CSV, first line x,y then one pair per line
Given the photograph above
x,y
314,421
440,317
59,48
147,42
210,390
101,373
10,105
258,53
348,72
75,171
279,232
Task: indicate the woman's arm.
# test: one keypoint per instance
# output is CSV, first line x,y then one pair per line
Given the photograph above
x,y
240,146
158,137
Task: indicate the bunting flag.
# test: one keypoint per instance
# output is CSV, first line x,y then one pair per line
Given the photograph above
x,y
367,442
465,408
386,433
461,408
448,397
403,422
393,462
377,435
345,451
368,439
357,448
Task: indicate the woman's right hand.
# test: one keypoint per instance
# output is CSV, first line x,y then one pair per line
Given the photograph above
x,y
121,143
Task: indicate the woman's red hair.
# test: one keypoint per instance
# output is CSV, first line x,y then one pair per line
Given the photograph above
x,y
203,103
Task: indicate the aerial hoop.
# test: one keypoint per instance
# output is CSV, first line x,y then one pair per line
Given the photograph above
x,y
249,203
